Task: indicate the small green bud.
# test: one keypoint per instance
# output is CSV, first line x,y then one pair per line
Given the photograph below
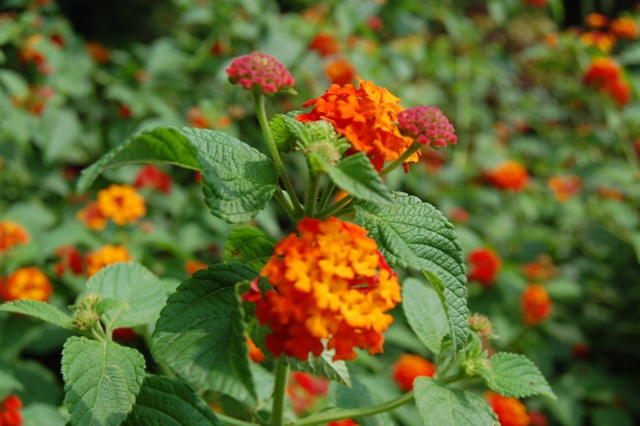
x,y
85,318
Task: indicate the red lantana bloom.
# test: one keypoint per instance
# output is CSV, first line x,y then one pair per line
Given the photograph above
x,y
484,265
408,368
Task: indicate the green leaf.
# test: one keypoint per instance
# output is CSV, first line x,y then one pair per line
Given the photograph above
x,y
356,396
424,312
238,179
195,331
101,381
249,245
132,283
324,366
415,234
109,304
43,414
286,130
356,175
8,383
514,375
40,310
161,145
163,401
443,406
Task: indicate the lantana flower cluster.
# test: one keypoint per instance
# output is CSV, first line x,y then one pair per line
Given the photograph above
x,y
331,284
410,366
605,74
510,411
120,203
12,234
261,72
508,175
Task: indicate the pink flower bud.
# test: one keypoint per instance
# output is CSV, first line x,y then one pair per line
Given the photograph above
x,y
427,125
260,71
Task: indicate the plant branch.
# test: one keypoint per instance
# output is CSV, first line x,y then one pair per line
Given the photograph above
x,y
279,389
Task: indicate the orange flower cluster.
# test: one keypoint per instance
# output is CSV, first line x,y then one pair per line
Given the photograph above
x,y
606,74
536,304
542,269
325,44
337,69
624,28
366,117
11,235
10,411
510,411
564,187
152,177
485,264
596,20
340,71
408,368
510,175
107,255
28,283
602,40
191,266
120,203
330,283
70,259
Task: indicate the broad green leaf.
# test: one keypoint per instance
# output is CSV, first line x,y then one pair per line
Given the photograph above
x,y
514,375
286,130
101,381
325,366
109,304
424,312
415,234
161,145
238,179
443,406
356,396
249,245
164,401
194,333
356,175
8,383
40,384
40,310
39,414
133,284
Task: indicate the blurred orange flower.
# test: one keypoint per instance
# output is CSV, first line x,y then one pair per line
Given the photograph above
x,y
191,266
92,216
28,283
10,411
601,40
121,203
98,52
542,269
345,422
564,187
536,304
510,175
325,44
196,118
366,117
11,235
330,283
304,389
605,74
510,411
70,259
106,255
485,264
624,28
255,353
340,71
596,20
408,368
150,176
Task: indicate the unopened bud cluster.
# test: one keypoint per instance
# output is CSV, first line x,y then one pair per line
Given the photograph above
x,y
260,71
85,315
427,125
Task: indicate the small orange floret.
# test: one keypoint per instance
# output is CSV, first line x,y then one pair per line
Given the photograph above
x,y
11,235
536,304
27,283
330,284
255,353
510,411
484,265
408,368
601,40
325,44
510,175
191,266
340,71
367,118
196,118
542,269
624,28
564,187
106,255
92,217
596,20
121,203
605,74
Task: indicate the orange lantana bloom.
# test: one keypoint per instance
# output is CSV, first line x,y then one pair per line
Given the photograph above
x,y
340,71
367,118
26,284
10,414
510,411
330,284
624,28
121,203
596,20
92,216
11,235
408,368
536,304
564,187
601,40
255,353
107,255
484,265
509,175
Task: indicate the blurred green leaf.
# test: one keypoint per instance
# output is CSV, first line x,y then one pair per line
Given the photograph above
x,y
249,245
40,310
425,314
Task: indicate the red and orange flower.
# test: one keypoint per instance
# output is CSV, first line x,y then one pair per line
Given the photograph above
x,y
536,304
152,177
564,187
606,74
510,175
92,216
340,71
484,265
28,283
106,255
330,284
408,368
121,203
510,411
367,118
10,411
12,234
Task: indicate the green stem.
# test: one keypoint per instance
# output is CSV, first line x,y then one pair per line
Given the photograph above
x,y
312,195
334,208
273,150
453,378
279,389
279,196
353,413
398,161
326,194
232,421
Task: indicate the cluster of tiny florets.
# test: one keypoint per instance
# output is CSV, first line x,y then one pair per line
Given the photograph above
x,y
427,125
260,71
